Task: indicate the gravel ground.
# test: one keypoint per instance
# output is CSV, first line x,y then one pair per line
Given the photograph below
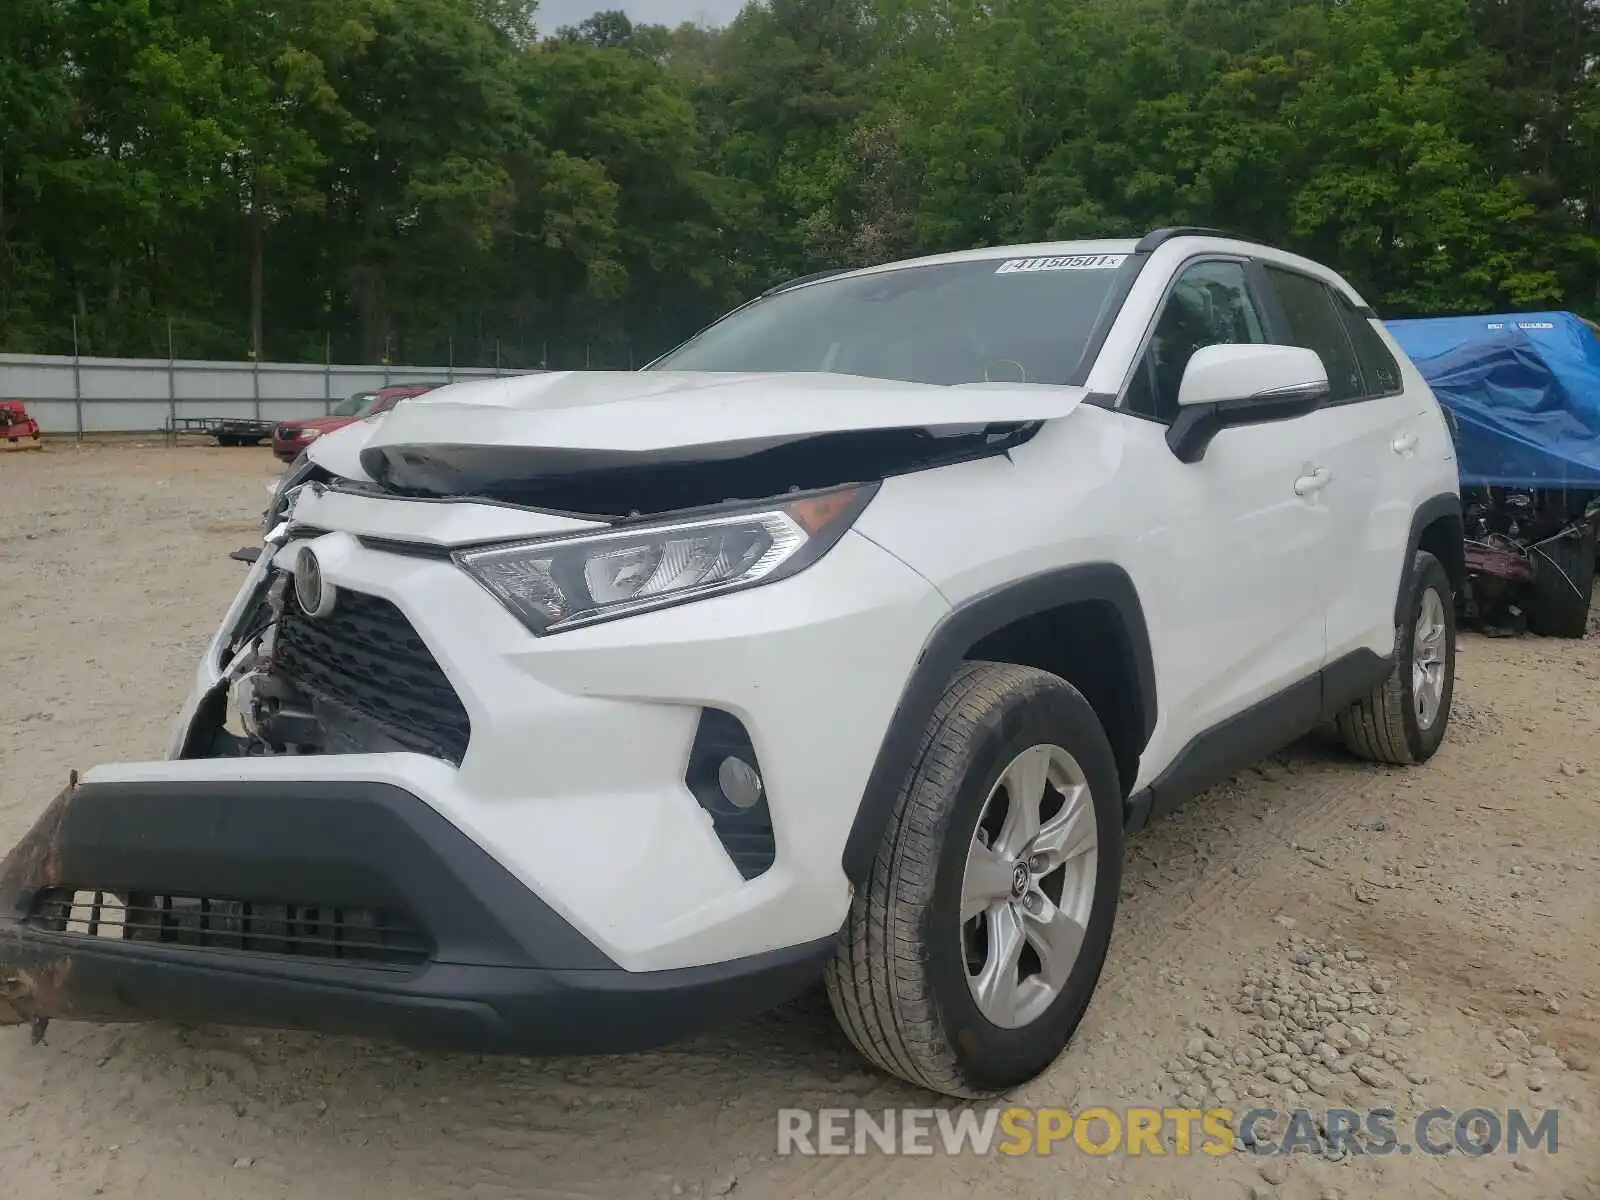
x,y
1315,933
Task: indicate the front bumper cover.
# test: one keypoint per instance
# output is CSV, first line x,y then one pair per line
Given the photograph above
x,y
502,971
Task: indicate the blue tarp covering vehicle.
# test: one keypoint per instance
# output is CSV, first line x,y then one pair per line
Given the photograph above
x,y
1522,391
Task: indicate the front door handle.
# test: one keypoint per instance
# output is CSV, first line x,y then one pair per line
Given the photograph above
x,y
1307,485
1405,443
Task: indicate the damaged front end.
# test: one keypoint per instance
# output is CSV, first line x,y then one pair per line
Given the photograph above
x,y
298,862
612,487
297,681
31,989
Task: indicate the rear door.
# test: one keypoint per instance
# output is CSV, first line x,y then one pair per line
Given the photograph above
x,y
1365,436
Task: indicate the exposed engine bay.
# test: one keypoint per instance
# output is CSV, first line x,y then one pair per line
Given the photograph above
x,y
1520,516
286,689
1526,548
254,711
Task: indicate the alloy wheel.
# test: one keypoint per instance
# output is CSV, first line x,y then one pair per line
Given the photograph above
x,y
1428,659
1028,886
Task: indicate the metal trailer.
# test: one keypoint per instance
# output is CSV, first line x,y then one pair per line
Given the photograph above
x,y
229,431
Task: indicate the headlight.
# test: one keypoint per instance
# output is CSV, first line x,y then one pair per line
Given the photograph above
x,y
308,434
562,583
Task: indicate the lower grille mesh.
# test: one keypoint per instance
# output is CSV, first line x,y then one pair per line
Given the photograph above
x,y
364,935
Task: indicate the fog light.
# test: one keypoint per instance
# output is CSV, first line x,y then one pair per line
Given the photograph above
x,y
724,776
739,783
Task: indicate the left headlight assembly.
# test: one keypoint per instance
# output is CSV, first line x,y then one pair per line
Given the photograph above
x,y
557,584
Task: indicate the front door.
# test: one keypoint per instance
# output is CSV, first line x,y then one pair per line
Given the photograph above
x,y
1239,565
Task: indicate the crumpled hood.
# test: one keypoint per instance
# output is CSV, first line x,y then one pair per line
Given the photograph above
x,y
596,420
321,424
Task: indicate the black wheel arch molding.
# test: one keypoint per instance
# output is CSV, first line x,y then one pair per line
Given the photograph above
x,y
1443,510
965,627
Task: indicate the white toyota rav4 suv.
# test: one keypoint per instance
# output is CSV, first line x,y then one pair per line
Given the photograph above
x,y
577,712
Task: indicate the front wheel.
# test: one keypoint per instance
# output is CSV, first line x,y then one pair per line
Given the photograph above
x,y
973,947
1403,720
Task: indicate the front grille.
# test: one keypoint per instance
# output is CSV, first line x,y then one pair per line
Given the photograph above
x,y
366,659
364,935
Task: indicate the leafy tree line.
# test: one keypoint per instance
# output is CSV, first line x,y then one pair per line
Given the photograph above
x,y
433,179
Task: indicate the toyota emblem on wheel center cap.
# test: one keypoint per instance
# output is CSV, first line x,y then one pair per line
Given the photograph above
x,y
315,594
1019,879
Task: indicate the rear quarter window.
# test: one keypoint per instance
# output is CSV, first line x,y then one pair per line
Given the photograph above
x,y
1379,369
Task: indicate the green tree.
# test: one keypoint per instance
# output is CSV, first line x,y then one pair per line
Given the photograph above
x,y
433,179
35,113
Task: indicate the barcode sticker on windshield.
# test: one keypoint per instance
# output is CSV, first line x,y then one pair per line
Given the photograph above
x,y
1068,262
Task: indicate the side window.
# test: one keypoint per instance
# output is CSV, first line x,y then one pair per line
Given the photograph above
x,y
1378,367
1209,305
1317,323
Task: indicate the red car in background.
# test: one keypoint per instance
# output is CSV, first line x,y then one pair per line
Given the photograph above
x,y
291,437
17,428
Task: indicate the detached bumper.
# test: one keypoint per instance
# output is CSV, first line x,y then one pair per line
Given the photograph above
x,y
336,907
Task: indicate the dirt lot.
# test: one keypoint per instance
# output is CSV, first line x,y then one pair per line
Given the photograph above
x,y
1460,903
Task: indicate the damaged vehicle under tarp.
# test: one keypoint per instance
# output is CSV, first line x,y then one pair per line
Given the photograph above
x,y
1522,392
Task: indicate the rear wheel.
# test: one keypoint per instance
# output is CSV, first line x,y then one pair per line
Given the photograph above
x,y
971,951
1404,719
1562,585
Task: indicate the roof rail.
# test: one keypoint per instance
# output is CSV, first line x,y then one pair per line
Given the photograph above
x,y
798,280
1159,237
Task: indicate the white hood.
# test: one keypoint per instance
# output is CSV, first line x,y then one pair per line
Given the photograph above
x,y
589,419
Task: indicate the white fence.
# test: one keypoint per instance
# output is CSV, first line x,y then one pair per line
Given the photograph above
x,y
124,395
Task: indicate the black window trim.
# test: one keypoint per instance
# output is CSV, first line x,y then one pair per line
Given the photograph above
x,y
1252,287
1280,323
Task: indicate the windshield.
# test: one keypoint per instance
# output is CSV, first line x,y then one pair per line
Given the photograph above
x,y
355,406
1016,320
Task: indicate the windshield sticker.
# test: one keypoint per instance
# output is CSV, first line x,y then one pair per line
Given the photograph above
x,y
1069,262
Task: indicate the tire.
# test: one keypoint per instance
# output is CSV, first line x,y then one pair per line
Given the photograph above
x,y
227,439
1389,726
1562,586
899,980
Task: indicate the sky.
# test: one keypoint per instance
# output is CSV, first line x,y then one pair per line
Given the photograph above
x,y
552,14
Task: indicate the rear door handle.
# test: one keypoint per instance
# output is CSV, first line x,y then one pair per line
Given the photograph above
x,y
1307,485
1405,443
